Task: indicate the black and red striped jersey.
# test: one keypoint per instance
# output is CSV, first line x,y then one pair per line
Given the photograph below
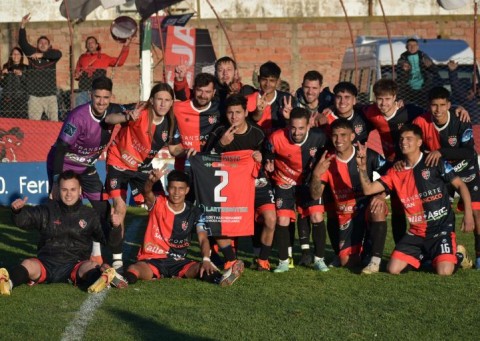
x,y
454,140
138,142
344,180
294,162
225,191
195,125
168,232
389,127
272,118
361,126
424,196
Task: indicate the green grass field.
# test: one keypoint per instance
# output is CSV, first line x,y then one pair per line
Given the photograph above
x,y
299,305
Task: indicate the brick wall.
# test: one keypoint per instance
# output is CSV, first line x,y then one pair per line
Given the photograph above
x,y
297,45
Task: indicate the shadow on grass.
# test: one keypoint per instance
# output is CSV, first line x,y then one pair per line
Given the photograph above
x,y
149,329
19,244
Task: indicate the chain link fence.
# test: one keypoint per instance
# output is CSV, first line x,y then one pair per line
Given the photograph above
x,y
36,98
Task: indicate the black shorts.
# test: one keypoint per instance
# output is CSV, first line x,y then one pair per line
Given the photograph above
x,y
117,181
56,272
264,193
473,186
351,233
440,248
288,197
169,267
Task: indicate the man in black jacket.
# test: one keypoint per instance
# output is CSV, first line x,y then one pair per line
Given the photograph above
x,y
41,75
67,229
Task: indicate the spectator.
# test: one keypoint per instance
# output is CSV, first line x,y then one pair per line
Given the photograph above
x,y
14,97
463,93
41,75
93,64
416,74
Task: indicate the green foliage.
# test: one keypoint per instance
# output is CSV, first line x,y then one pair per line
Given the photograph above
x,y
299,305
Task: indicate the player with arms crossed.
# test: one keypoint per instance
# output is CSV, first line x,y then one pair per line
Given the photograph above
x,y
352,207
171,222
422,190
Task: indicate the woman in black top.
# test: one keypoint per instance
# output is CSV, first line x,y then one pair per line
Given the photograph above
x,y
14,97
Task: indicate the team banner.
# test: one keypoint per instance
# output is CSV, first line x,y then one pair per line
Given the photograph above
x,y
187,46
225,191
25,140
180,50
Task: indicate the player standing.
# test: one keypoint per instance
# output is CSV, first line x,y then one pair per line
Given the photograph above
x,y
293,152
84,136
241,134
353,208
129,159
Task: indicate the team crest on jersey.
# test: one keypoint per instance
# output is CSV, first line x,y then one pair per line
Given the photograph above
x,y
313,151
113,183
358,129
82,223
452,140
184,225
212,119
426,174
399,126
279,202
69,129
164,135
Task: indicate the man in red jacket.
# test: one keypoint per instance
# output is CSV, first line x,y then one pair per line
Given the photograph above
x,y
93,64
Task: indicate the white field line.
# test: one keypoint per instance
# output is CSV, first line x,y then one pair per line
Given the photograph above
x,y
77,327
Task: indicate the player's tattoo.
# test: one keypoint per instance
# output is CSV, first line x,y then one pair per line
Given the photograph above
x,y
364,176
316,188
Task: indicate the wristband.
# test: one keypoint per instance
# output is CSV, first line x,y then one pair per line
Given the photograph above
x,y
206,259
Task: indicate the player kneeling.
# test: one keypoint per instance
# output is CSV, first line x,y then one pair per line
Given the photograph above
x,y
67,229
167,237
423,192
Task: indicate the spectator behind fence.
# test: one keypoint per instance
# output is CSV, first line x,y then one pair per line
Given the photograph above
x,y
463,92
416,74
14,97
41,75
93,64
